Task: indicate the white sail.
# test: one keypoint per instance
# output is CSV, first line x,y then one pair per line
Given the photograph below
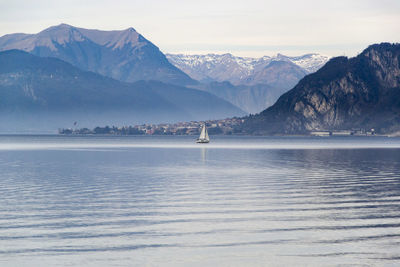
x,y
206,134
203,138
203,133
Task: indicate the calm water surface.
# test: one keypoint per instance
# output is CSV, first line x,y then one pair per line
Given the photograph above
x,y
165,201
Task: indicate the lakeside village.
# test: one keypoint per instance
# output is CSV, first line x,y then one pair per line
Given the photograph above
x,y
227,126
215,127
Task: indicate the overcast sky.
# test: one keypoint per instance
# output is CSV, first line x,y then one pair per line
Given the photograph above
x,y
246,28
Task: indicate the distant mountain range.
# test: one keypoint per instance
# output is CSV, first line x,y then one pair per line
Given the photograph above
x,y
241,70
123,55
43,94
250,83
357,93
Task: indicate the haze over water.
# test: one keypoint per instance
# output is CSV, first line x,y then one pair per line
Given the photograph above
x,y
165,201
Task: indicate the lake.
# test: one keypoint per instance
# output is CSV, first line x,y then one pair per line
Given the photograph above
x,y
166,201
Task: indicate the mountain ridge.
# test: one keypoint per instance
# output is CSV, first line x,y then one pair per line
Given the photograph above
x,y
123,55
362,92
227,67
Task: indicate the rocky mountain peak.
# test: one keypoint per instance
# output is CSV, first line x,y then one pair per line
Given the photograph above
x,y
127,37
357,93
60,34
384,59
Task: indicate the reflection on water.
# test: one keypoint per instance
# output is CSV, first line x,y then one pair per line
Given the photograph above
x,y
203,151
119,201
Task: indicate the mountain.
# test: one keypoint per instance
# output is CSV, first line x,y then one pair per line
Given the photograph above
x,y
357,93
262,88
43,94
123,55
277,74
237,70
252,84
250,98
309,62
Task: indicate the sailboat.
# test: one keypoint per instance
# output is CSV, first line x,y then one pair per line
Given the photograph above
x,y
203,138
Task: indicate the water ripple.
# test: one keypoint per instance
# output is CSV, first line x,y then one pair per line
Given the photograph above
x,y
104,201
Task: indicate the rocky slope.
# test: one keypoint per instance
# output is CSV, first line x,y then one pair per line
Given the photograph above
x,y
38,93
361,92
123,55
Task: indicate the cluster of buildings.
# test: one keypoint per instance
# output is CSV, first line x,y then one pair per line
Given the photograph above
x,y
357,132
225,126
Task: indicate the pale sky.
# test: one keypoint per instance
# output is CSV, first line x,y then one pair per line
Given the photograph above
x,y
243,28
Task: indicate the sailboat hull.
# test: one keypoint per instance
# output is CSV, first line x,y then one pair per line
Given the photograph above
x,y
202,141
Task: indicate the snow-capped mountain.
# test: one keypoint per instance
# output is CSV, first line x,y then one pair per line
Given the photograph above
x,y
310,62
252,84
239,70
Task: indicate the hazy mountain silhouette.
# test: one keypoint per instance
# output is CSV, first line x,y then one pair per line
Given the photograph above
x,y
39,93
